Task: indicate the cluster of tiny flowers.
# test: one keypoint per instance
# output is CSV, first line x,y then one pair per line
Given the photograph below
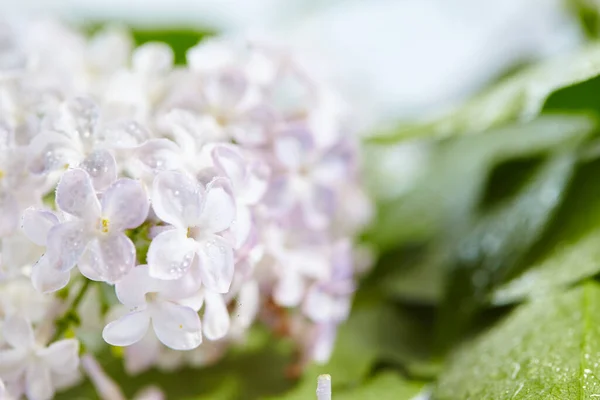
x,y
166,208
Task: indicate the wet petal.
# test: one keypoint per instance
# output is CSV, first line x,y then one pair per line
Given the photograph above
x,y
176,199
216,264
101,167
171,254
50,151
111,256
216,318
66,243
178,327
38,384
37,223
127,330
132,288
46,278
125,204
218,211
17,332
159,155
75,194
61,357
123,135
9,214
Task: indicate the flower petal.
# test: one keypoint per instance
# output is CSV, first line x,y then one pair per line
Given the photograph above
x,y
132,288
289,289
38,383
66,243
17,332
242,226
176,199
216,264
101,167
128,329
123,134
61,357
45,278
218,210
158,155
13,363
75,194
292,147
216,318
125,204
111,256
50,151
177,327
171,254
37,223
9,214
140,356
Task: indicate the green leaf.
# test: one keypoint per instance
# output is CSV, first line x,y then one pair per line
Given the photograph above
x,y
569,251
489,250
386,385
546,349
519,97
454,180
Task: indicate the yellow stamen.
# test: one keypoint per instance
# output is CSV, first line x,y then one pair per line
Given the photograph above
x,y
104,225
1,174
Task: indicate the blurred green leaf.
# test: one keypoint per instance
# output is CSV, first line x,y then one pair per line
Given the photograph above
x,y
569,251
546,349
489,249
455,178
179,39
518,98
387,385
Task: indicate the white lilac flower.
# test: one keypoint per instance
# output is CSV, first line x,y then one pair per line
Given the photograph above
x,y
253,180
155,301
197,215
92,234
36,367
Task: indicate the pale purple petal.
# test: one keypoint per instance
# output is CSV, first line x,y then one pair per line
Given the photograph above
x,y
128,329
322,342
176,326
101,167
61,357
17,332
176,199
132,288
49,151
123,135
171,254
218,211
46,278
289,289
231,164
242,226
140,356
248,304
111,256
65,245
38,384
125,204
216,264
9,214
159,155
292,148
37,223
257,182
216,317
75,194
13,363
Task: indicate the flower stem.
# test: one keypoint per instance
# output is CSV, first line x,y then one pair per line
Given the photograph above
x,y
70,315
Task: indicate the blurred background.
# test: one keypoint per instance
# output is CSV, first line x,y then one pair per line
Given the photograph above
x,y
461,216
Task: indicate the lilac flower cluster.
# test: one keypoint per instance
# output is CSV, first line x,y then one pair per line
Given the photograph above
x,y
208,196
